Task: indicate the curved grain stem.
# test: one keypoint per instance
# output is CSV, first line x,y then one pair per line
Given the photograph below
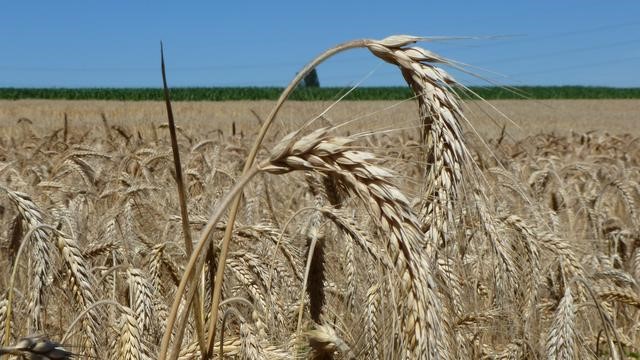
x,y
84,313
195,266
249,162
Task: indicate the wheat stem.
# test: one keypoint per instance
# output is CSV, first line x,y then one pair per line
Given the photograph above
x,y
84,313
249,162
194,266
198,312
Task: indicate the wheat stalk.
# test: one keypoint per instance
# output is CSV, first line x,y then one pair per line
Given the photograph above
x,y
81,284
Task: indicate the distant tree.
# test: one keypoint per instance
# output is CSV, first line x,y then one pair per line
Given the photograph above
x,y
311,80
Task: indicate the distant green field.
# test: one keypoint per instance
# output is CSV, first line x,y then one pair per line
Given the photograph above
x,y
272,93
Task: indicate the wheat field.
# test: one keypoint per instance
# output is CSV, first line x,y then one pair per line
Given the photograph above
x,y
325,237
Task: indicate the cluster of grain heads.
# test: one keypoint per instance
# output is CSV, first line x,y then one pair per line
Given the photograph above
x,y
422,329
39,236
390,210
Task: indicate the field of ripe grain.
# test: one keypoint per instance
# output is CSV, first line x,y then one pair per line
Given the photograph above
x,y
365,230
552,261
527,117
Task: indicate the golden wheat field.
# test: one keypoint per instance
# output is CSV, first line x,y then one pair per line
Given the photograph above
x,y
362,230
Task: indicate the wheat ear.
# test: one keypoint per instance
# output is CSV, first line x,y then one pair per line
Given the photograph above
x,y
390,209
81,283
3,320
440,113
40,252
324,340
129,344
560,342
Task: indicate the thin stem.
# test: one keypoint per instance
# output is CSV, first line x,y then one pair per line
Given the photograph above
x,y
192,267
232,198
182,198
217,291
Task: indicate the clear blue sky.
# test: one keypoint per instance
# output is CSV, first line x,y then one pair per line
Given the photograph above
x,y
261,43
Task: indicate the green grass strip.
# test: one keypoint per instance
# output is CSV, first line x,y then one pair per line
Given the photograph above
x,y
306,94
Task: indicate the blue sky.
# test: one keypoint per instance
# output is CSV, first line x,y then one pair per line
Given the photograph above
x,y
263,43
